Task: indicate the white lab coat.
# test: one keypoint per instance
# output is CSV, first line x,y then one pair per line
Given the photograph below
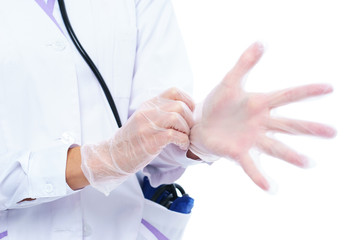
x,y
44,110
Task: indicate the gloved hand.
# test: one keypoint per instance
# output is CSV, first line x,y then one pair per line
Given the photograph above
x,y
162,120
231,121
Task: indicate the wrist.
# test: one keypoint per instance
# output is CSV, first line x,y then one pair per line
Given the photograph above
x,y
75,177
202,155
191,155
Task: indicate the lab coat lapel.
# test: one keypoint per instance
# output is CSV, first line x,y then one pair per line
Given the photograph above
x,y
45,77
32,22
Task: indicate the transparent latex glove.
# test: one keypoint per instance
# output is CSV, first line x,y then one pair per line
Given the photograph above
x,y
158,122
231,121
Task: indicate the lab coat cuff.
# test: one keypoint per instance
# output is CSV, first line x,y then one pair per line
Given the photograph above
x,y
168,166
47,171
208,158
185,162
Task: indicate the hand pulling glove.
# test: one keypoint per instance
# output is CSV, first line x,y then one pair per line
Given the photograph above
x,y
158,122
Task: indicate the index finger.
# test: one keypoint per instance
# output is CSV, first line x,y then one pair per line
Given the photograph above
x,y
245,63
178,95
290,95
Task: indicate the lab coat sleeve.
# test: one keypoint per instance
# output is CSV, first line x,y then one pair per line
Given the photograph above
x,y
38,176
161,63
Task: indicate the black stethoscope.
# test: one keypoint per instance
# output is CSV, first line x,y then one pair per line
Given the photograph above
x,y
89,61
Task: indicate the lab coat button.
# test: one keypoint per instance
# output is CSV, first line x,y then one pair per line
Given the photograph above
x,y
49,188
87,230
59,45
68,138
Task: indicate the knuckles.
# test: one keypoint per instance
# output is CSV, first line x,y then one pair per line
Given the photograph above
x,y
173,91
173,117
179,107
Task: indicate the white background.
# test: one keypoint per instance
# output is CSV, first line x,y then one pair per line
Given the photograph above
x,y
306,41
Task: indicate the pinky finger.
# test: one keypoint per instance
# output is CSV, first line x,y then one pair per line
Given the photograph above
x,y
253,172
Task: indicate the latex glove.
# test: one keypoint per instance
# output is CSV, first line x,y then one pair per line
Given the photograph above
x,y
158,122
232,121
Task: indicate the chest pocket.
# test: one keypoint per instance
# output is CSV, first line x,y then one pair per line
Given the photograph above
x,y
115,36
123,61
115,58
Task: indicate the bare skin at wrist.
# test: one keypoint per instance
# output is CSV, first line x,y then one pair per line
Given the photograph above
x,y
191,155
74,176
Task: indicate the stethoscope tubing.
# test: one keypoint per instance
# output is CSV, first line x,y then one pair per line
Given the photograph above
x,y
89,62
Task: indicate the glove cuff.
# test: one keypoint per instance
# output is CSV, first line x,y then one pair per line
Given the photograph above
x,y
206,157
100,174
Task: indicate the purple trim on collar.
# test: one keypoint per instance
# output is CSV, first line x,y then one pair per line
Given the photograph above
x,y
154,231
49,9
3,234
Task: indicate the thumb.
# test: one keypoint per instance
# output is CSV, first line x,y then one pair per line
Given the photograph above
x,y
245,63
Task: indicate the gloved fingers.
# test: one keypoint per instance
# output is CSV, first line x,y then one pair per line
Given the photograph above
x,y
172,136
245,63
161,120
173,120
295,94
298,127
253,172
279,150
178,95
180,108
